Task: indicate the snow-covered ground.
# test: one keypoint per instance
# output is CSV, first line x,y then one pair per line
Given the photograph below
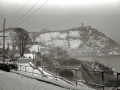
x,y
12,81
36,72
19,80
28,67
29,70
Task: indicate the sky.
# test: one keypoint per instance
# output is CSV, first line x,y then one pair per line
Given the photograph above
x,y
35,15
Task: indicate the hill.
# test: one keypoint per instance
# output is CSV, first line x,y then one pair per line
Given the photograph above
x,y
78,41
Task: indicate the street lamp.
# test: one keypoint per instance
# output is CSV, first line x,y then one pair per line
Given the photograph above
x,y
42,67
56,68
76,75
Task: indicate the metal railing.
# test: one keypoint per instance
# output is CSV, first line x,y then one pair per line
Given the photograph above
x,y
76,78
23,68
73,82
117,82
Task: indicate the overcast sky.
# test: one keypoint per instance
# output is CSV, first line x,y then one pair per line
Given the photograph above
x,y
103,15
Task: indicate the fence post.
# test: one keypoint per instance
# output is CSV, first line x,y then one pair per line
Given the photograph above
x,y
25,69
103,78
117,82
118,79
76,75
42,72
56,72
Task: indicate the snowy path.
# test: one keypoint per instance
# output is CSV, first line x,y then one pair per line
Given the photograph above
x,y
12,81
64,81
28,68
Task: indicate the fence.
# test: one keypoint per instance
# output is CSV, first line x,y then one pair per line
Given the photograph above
x,y
117,82
103,74
76,81
23,68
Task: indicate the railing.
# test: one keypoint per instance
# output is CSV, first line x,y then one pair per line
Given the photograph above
x,y
42,74
73,82
25,69
76,78
117,82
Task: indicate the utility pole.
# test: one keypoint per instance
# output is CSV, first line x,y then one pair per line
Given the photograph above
x,y
4,41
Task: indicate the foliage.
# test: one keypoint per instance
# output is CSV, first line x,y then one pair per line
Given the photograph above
x,y
48,63
21,39
58,53
66,73
1,50
69,62
46,60
33,36
85,36
8,54
12,53
104,68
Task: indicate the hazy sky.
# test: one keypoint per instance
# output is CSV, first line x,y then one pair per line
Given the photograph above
x,y
103,15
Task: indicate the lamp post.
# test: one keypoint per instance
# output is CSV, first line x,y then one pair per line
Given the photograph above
x,y
76,75
56,68
102,78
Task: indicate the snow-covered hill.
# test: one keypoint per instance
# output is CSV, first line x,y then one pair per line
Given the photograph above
x,y
87,40
80,38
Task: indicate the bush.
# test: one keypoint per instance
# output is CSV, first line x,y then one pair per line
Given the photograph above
x,y
5,67
66,73
70,62
14,66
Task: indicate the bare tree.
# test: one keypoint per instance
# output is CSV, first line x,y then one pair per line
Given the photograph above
x,y
21,40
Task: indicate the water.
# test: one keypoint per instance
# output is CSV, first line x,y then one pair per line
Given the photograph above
x,y
112,61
